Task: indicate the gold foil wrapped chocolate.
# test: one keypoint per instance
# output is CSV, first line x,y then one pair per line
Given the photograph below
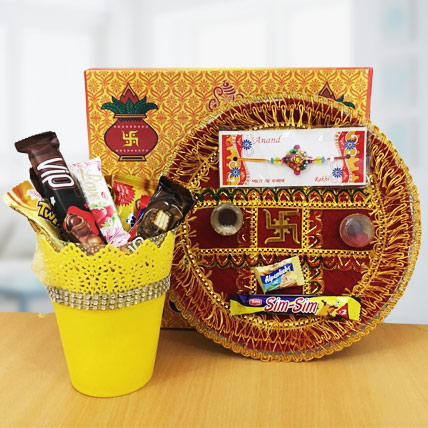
x,y
24,199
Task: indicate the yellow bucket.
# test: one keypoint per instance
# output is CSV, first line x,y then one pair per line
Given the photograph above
x,y
108,307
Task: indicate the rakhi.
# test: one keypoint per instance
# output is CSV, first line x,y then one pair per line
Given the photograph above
x,y
296,159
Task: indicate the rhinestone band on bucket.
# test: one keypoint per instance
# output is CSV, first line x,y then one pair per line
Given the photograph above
x,y
105,301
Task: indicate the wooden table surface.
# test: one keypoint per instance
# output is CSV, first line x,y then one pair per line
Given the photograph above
x,y
381,381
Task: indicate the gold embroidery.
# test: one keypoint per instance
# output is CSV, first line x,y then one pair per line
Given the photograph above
x,y
281,227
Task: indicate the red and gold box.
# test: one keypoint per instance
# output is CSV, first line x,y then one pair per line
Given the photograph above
x,y
135,117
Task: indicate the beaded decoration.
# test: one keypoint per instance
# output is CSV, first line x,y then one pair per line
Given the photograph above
x,y
297,159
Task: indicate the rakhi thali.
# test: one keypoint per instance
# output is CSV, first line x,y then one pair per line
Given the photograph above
x,y
282,222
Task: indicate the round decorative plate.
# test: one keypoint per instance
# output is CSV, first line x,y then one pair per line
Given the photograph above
x,y
209,268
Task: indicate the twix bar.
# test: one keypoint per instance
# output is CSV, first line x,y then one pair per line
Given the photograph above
x,y
24,199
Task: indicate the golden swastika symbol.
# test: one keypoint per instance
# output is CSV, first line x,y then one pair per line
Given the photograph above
x,y
281,227
130,138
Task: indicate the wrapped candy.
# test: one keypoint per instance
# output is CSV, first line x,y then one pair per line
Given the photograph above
x,y
24,199
100,202
165,211
131,194
55,179
346,307
286,273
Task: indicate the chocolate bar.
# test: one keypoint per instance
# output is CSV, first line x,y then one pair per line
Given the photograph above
x,y
24,199
94,187
166,209
346,307
59,187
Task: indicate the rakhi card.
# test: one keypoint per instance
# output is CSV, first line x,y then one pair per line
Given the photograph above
x,y
293,157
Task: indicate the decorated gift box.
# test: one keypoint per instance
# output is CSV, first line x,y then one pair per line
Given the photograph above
x,y
136,119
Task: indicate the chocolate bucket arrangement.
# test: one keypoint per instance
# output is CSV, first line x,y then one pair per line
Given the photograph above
x,y
107,284
297,224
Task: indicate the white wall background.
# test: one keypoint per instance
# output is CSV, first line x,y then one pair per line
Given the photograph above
x,y
45,45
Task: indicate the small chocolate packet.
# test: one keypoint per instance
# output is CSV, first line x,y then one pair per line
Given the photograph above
x,y
286,273
59,188
166,209
347,307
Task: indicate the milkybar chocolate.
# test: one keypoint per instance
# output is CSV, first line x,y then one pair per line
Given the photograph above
x,y
286,273
60,189
346,307
166,209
